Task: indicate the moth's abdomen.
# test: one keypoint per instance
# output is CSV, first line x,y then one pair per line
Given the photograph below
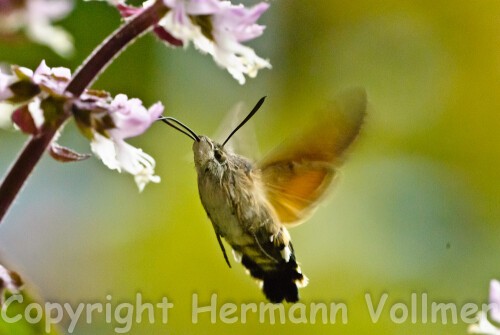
x,y
280,280
272,262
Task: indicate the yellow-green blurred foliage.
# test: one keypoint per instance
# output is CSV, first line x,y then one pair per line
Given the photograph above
x,y
415,209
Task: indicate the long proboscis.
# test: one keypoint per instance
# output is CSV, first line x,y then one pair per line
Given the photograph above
x,y
249,116
168,120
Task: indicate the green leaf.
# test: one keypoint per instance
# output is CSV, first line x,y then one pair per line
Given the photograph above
x,y
65,155
83,121
23,91
53,109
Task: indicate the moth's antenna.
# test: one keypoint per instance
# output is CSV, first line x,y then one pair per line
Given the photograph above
x,y
249,116
189,132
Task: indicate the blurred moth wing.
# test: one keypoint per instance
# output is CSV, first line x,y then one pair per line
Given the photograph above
x,y
298,173
244,142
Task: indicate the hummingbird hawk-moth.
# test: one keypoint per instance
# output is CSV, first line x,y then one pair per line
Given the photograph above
x,y
251,205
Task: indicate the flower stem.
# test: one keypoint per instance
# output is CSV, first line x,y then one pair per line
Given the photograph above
x,y
113,45
22,168
83,78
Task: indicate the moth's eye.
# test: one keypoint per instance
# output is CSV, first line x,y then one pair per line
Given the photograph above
x,y
219,156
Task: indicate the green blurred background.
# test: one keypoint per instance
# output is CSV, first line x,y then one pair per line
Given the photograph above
x,y
415,210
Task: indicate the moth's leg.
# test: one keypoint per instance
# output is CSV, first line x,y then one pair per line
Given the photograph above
x,y
223,249
262,249
220,241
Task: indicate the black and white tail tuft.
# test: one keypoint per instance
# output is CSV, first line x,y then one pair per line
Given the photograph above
x,y
280,283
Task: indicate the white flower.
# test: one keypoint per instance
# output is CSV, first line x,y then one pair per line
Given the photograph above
x,y
5,81
106,122
214,27
53,80
131,119
233,25
9,280
218,28
5,115
495,300
36,112
118,155
484,326
34,17
48,80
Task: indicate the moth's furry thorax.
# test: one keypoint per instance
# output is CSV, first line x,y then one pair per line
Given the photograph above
x,y
226,180
214,162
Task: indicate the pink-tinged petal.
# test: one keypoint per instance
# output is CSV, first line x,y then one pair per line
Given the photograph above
x,y
41,70
495,300
240,15
129,127
254,13
61,72
131,118
231,25
180,15
54,79
119,100
127,11
203,7
45,10
5,81
195,7
170,3
240,21
155,111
